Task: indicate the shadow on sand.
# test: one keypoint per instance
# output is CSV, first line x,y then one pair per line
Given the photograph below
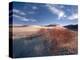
x,y
30,48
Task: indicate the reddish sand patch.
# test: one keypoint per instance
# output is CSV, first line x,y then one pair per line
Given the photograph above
x,y
60,37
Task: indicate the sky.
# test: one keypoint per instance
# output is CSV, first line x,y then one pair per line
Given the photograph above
x,y
43,14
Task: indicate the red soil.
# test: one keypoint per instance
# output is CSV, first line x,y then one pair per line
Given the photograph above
x,y
60,37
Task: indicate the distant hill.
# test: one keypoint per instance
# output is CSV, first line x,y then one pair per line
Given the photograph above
x,y
51,25
72,27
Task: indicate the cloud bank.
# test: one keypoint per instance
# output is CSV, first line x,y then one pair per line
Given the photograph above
x,y
56,11
61,13
24,18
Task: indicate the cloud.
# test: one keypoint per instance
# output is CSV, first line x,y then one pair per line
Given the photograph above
x,y
18,11
56,11
34,7
73,16
31,12
61,15
24,18
61,6
33,20
20,17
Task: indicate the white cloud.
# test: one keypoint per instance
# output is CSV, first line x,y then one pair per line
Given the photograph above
x,y
61,6
33,20
56,11
34,7
20,17
24,18
61,15
73,16
18,11
31,12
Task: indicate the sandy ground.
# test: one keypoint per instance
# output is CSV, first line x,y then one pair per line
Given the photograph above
x,y
20,32
43,41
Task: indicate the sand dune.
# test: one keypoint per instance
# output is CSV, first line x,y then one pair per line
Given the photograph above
x,y
19,32
58,39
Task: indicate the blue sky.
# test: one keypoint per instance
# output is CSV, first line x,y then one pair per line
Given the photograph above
x,y
44,14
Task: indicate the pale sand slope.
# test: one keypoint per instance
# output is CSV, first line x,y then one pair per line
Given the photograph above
x,y
21,32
